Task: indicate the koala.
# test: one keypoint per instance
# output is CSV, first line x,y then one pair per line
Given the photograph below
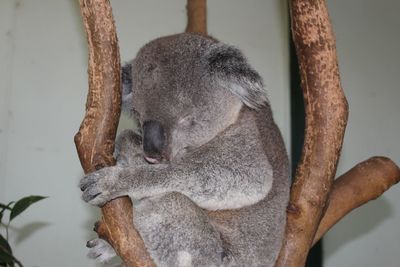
x,y
207,171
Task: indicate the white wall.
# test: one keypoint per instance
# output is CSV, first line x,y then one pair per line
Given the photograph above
x,y
368,41
43,90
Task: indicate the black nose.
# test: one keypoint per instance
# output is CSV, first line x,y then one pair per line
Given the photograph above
x,y
153,138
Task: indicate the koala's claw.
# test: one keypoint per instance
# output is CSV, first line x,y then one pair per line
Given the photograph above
x,y
96,226
100,250
96,186
90,179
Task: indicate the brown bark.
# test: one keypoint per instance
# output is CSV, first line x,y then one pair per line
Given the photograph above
x,y
95,139
326,118
366,181
197,16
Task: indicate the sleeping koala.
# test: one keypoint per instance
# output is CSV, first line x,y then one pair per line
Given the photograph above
x,y
207,172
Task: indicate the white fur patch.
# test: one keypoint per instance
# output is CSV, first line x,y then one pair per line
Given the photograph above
x,y
184,259
239,199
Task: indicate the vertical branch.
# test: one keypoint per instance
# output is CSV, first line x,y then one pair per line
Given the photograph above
x,y
197,16
326,119
95,139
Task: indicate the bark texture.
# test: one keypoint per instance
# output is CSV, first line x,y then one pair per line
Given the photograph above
x,y
197,16
326,119
366,181
95,139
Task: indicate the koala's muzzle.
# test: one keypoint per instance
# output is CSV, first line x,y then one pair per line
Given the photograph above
x,y
153,141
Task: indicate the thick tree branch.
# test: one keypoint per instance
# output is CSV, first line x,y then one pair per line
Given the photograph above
x,y
95,139
326,119
197,16
366,181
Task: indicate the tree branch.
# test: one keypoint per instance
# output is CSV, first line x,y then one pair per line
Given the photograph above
x,y
197,16
95,139
326,119
366,181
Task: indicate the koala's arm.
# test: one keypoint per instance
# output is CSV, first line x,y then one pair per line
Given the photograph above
x,y
214,181
210,186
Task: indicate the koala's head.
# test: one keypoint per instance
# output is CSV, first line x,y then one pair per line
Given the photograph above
x,y
184,90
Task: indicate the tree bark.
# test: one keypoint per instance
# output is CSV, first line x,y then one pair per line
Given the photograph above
x,y
366,181
197,16
95,139
326,119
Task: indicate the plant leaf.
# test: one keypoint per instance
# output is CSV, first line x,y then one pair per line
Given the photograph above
x,y
6,257
23,204
4,246
3,208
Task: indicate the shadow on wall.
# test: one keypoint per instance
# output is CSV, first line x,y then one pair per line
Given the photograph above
x,y
360,222
27,230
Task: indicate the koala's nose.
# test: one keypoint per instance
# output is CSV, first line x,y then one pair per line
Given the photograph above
x,y
153,138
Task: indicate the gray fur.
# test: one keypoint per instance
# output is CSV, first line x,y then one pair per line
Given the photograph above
x,y
100,250
223,152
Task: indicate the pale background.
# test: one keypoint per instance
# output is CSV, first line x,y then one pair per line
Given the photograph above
x,y
43,87
368,41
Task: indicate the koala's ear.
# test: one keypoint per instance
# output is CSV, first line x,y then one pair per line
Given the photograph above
x,y
230,69
126,88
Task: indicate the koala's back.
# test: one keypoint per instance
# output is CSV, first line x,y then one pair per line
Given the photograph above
x,y
253,234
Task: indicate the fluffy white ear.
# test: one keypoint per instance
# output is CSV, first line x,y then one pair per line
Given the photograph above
x,y
126,88
231,70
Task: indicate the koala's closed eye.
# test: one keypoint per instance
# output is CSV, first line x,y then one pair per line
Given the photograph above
x,y
189,121
185,120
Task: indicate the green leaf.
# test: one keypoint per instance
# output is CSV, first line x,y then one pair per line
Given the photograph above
x,y
6,258
4,246
23,204
3,208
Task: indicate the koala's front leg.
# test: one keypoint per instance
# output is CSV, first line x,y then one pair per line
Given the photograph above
x,y
103,185
108,183
210,187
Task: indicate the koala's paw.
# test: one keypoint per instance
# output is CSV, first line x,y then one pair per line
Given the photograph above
x,y
100,187
100,250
